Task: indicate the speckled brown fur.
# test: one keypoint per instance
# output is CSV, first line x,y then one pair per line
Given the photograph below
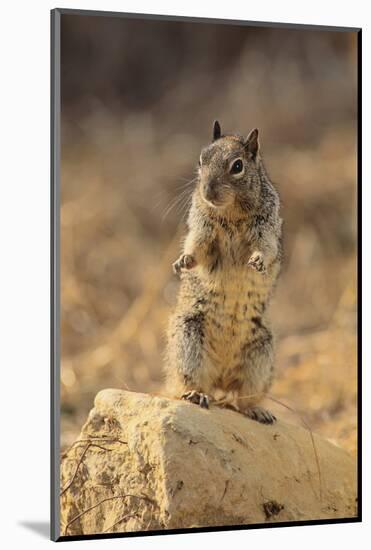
x,y
219,340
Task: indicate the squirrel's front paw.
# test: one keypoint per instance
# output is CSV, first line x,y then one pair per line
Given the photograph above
x,y
186,261
256,262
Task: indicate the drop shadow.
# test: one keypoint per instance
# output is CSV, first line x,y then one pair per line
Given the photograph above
x,y
42,528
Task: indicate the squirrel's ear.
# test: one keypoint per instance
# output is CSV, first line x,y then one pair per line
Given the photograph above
x,y
252,142
217,131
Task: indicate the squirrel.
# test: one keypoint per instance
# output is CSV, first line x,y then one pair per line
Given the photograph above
x,y
220,347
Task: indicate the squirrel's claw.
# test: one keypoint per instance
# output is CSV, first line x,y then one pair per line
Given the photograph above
x,y
260,415
256,262
186,261
198,398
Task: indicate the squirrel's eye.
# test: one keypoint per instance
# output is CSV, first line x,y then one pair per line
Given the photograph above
x,y
237,167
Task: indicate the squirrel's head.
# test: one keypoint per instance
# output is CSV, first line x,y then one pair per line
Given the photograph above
x,y
228,169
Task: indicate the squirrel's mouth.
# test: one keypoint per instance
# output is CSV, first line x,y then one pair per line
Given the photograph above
x,y
212,199
213,203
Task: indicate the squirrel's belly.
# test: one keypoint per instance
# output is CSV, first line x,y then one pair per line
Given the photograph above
x,y
237,306
232,303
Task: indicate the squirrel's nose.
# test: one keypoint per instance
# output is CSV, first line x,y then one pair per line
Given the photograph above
x,y
211,190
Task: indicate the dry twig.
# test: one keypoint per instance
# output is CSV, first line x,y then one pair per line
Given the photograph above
x,y
106,439
127,516
88,446
143,497
76,470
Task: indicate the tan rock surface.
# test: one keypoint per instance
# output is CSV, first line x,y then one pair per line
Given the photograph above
x,y
145,462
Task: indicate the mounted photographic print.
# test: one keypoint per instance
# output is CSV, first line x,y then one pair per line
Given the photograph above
x,y
205,194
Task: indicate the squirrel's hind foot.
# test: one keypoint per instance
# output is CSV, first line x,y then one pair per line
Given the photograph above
x,y
196,397
255,413
260,415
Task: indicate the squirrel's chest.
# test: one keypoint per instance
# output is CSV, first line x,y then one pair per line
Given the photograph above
x,y
232,247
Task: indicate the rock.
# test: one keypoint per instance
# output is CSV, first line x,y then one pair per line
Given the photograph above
x,y
144,462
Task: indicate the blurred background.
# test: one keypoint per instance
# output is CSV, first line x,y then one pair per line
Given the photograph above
x,y
138,101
